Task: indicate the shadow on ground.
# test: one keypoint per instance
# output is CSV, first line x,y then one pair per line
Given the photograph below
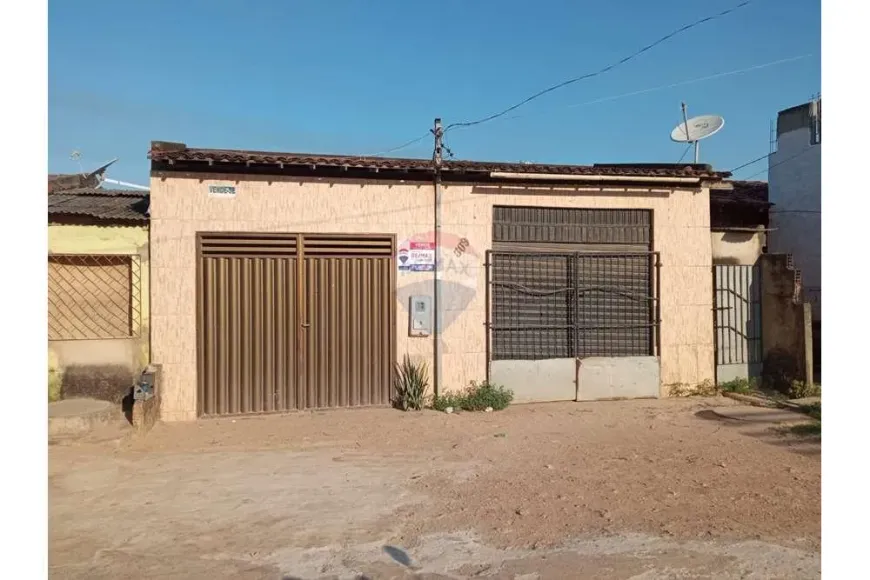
x,y
772,434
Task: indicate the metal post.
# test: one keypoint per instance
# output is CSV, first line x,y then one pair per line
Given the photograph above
x,y
658,299
697,149
438,132
488,308
686,123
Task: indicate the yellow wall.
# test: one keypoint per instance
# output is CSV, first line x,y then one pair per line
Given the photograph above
x,y
181,207
123,240
739,248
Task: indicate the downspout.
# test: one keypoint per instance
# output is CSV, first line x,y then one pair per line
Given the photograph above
x,y
436,294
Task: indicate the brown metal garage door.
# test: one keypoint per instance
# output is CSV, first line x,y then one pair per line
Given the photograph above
x,y
291,321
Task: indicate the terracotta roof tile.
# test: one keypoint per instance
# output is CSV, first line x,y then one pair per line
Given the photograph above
x,y
102,204
176,152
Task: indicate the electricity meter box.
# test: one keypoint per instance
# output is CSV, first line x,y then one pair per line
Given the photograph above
x,y
420,319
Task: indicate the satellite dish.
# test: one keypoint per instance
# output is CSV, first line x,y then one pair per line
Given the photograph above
x,y
697,128
693,130
98,172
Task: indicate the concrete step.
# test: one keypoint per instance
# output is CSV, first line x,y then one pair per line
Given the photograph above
x,y
760,414
72,417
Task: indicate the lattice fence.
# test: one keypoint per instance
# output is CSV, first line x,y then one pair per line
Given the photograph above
x,y
94,297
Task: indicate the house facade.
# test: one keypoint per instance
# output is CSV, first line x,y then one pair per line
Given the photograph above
x,y
795,177
98,289
739,227
286,281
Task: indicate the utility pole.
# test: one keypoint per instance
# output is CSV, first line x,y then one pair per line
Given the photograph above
x,y
438,132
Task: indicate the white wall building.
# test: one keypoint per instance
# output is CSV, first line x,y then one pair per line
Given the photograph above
x,y
795,186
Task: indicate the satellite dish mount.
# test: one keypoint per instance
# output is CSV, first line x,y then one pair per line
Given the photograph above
x,y
693,130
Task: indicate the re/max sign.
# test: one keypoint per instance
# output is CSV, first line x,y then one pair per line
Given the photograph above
x,y
222,190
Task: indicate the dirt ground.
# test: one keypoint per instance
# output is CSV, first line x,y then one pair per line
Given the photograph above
x,y
640,489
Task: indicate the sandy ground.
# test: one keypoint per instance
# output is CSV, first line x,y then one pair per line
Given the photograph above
x,y
643,490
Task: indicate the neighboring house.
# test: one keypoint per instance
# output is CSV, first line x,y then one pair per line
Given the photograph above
x,y
98,278
289,281
795,177
739,218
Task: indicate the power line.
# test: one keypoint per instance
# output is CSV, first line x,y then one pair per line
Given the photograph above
x,y
777,164
400,147
604,70
748,163
671,86
632,94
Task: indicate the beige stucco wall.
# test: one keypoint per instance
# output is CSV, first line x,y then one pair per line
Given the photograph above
x,y
132,353
738,248
180,207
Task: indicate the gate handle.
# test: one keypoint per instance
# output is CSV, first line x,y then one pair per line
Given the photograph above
x,y
306,325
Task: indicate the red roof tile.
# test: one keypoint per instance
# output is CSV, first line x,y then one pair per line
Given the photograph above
x,y
177,152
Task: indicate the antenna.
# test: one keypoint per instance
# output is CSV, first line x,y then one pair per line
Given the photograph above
x,y
76,156
697,128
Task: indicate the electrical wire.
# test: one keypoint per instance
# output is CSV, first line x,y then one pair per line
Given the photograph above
x,y
748,163
604,70
400,147
629,94
669,86
778,163
762,158
683,156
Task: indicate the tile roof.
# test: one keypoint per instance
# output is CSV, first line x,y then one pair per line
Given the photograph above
x,y
178,152
66,181
102,204
747,193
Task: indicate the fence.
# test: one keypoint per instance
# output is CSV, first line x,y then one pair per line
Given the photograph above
x,y
94,297
572,305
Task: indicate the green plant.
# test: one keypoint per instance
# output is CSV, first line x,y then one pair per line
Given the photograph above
x,y
807,429
802,390
482,396
742,386
448,401
410,384
476,397
702,389
54,383
55,378
814,411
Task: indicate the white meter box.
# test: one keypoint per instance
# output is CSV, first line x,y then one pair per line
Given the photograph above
x,y
420,316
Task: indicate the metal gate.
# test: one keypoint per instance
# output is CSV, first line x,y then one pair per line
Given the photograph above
x,y
573,326
737,322
292,321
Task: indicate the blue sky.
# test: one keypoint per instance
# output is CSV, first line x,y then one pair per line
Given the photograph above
x,y
356,77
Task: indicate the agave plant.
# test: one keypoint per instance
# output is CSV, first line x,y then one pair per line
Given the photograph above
x,y
411,384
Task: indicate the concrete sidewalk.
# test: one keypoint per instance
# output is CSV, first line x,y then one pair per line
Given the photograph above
x,y
78,416
760,414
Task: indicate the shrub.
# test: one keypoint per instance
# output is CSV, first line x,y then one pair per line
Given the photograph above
x,y
801,390
55,378
410,384
814,411
742,386
703,389
477,397
481,396
450,400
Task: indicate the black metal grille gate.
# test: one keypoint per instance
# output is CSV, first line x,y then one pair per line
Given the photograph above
x,y
544,305
738,314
